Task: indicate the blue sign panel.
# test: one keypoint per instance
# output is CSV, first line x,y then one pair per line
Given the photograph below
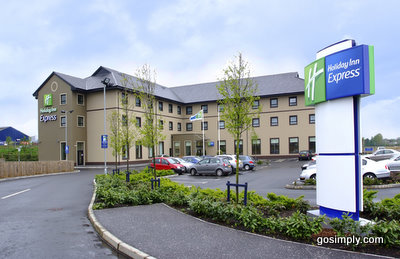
x,y
104,141
368,149
66,149
347,73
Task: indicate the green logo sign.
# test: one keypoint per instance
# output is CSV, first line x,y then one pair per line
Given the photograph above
x,y
314,90
48,100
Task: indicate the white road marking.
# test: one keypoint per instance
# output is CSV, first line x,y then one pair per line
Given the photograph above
x,y
11,195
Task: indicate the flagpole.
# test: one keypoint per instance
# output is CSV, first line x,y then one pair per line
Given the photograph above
x,y
202,113
219,133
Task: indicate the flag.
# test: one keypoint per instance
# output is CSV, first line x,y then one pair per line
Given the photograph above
x,y
197,116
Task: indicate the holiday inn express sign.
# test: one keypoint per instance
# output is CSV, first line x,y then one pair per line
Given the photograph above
x,y
334,83
345,73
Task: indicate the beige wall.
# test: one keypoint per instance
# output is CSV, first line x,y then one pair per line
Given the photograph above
x,y
50,133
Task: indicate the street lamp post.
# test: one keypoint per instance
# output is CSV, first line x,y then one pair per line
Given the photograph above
x,y
106,82
66,150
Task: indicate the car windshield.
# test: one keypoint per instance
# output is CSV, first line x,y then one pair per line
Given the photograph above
x,y
173,161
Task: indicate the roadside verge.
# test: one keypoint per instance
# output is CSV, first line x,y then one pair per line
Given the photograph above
x,y
109,238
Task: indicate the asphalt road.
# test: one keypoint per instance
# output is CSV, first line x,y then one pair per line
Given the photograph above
x,y
266,179
46,217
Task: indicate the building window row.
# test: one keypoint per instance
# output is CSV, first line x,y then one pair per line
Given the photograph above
x,y
80,121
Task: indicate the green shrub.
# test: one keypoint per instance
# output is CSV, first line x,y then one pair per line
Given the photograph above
x,y
389,230
310,182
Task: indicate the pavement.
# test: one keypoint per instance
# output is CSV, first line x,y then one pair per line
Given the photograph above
x,y
159,231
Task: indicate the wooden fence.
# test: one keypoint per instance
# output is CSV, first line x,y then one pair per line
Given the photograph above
x,y
15,169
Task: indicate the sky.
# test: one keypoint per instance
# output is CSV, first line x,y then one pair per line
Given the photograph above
x,y
190,42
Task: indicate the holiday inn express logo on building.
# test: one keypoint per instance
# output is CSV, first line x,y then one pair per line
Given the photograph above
x,y
345,73
48,100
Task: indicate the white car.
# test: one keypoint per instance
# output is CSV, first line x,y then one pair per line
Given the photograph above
x,y
369,169
393,164
186,164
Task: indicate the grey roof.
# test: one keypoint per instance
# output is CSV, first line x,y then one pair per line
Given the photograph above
x,y
279,84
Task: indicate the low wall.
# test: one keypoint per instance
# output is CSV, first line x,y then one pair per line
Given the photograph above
x,y
15,169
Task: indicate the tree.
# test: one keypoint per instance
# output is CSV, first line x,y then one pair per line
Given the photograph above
x,y
115,138
238,93
128,131
8,141
151,129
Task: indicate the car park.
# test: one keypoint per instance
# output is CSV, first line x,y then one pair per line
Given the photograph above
x,y
383,154
369,169
305,155
232,161
187,165
215,165
167,163
248,162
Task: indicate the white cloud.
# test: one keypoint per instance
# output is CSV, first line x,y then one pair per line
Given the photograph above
x,y
381,117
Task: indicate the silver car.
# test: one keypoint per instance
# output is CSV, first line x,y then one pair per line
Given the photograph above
x,y
394,164
383,154
186,164
214,165
232,161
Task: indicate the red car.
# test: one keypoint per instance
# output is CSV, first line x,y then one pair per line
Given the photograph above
x,y
167,163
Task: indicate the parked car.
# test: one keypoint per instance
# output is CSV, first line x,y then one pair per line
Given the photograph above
x,y
306,165
369,169
192,159
248,162
232,161
167,163
383,154
394,164
215,165
187,165
305,155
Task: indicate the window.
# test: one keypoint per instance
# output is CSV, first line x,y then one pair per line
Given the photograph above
x,y
293,120
138,150
222,146
160,106
124,98
63,99
188,110
81,121
177,148
138,102
162,124
273,102
81,99
170,125
256,122
188,148
63,154
189,126
311,144
125,152
204,108
205,125
256,146
170,108
63,121
138,122
293,145
220,107
178,109
150,152
311,118
222,124
293,101
179,126
256,104
274,146
240,147
124,120
274,121
161,147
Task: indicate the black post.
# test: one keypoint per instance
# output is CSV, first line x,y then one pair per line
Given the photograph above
x,y
229,190
127,176
245,194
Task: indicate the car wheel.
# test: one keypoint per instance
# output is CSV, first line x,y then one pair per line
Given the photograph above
x,y
193,172
369,175
313,176
219,172
247,167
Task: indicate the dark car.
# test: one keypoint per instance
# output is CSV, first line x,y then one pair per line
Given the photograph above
x,y
191,159
214,165
167,163
305,155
